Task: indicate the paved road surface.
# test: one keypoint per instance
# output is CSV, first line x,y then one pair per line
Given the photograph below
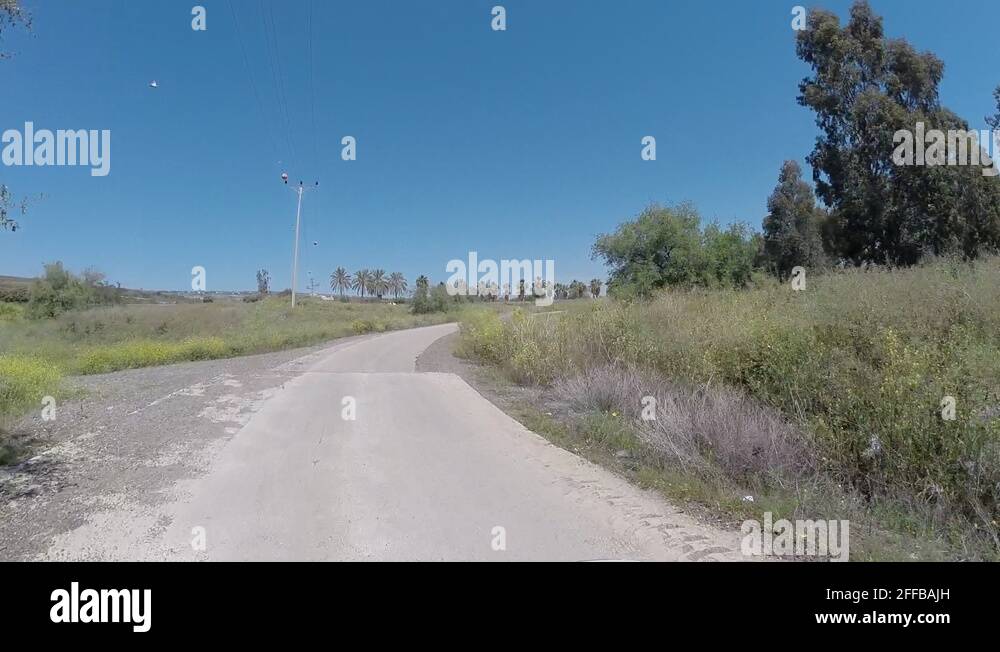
x,y
427,470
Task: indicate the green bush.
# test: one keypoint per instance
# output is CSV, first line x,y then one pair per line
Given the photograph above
x,y
362,326
667,247
483,335
59,291
436,300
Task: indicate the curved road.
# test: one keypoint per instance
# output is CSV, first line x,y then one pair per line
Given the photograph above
x,y
426,470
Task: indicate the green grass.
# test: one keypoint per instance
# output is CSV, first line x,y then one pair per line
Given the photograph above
x,y
859,363
102,340
24,382
36,354
11,312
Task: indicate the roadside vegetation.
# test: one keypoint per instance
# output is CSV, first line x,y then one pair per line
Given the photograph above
x,y
102,339
809,370
65,324
817,404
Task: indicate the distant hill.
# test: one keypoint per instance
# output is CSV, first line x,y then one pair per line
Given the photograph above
x,y
130,295
15,281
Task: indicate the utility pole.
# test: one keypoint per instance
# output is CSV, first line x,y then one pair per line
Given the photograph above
x,y
298,216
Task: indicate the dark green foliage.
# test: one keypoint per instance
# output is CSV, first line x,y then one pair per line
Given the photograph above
x,y
426,300
864,88
792,227
576,290
666,246
59,291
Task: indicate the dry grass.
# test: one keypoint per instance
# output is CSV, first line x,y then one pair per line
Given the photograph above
x,y
698,429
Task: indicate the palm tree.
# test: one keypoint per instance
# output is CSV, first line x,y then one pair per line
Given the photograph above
x,y
362,281
397,284
423,287
379,283
340,280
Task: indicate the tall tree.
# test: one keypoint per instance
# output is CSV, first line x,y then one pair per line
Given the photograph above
x,y
864,89
362,281
421,296
263,282
11,15
340,280
994,120
8,206
397,284
379,283
792,226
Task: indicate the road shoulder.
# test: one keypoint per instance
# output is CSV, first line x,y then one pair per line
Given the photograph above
x,y
539,413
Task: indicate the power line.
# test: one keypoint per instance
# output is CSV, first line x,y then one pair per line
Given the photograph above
x,y
269,60
312,102
312,86
253,84
269,26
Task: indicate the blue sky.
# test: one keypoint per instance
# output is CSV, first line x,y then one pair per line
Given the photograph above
x,y
517,144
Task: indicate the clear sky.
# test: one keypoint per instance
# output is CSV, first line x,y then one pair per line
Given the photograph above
x,y
517,144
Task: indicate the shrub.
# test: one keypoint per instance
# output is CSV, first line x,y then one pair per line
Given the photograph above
x,y
11,312
483,337
59,291
436,300
362,326
666,246
700,429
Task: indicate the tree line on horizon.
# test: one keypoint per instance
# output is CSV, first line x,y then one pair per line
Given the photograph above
x,y
374,282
